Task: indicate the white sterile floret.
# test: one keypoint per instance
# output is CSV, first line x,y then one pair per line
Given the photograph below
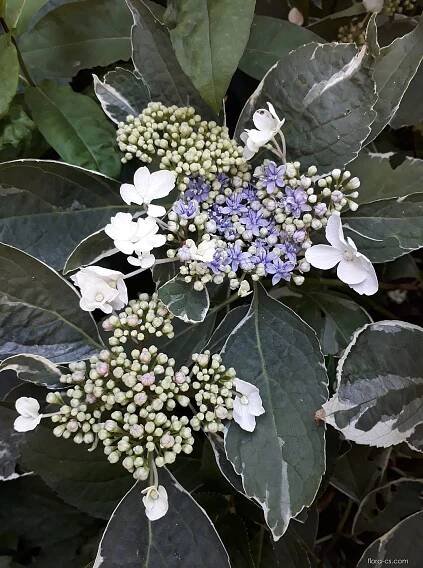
x,y
204,252
101,288
247,405
373,5
124,232
147,187
354,268
267,125
30,417
155,502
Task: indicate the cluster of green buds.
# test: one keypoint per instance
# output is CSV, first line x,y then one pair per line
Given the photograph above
x,y
391,7
353,32
182,142
136,403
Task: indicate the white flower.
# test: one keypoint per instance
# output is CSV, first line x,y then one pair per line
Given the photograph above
x,y
267,125
373,5
101,288
30,417
144,261
204,252
247,406
354,268
155,502
147,237
295,17
124,232
147,187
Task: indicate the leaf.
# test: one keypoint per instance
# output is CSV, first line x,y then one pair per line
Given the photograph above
x,y
156,62
184,535
9,72
326,94
282,461
209,39
19,136
386,506
271,39
356,482
225,466
233,530
188,339
34,369
410,111
81,478
47,207
121,93
226,327
20,12
332,316
394,69
90,250
10,442
40,313
75,36
379,397
381,180
288,552
183,301
388,228
403,541
75,127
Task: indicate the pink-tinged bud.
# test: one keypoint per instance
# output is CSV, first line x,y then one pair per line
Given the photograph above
x,y
102,368
145,356
132,320
295,17
136,430
72,426
180,378
167,440
90,399
148,379
106,325
140,398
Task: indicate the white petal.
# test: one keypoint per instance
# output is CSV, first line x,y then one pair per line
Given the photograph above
x,y
156,211
334,232
323,256
162,183
129,194
244,387
255,404
263,120
258,138
27,406
247,154
351,271
147,260
124,246
156,508
242,416
142,178
370,284
25,424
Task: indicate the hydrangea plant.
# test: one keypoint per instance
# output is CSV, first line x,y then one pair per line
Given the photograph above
x,y
209,343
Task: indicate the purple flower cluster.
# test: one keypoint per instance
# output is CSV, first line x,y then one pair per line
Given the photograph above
x,y
197,189
186,210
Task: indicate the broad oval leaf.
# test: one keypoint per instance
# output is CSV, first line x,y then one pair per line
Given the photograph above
x,y
271,39
379,398
226,327
410,111
283,460
10,442
40,313
388,228
184,536
47,207
90,250
75,36
81,478
74,125
326,94
209,39
183,301
34,369
403,541
121,93
9,72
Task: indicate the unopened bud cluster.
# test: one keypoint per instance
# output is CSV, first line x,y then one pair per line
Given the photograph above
x,y
392,7
138,405
182,142
353,32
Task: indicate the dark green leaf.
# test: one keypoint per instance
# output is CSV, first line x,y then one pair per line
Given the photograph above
x,y
394,68
404,541
90,250
10,442
47,207
271,39
75,36
75,127
388,228
81,478
209,39
9,72
379,400
224,464
184,536
40,313
326,93
288,552
183,301
19,136
226,327
410,111
232,529
156,62
34,369
18,13
282,461
386,506
121,93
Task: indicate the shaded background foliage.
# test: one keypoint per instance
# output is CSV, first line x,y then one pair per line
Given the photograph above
x,y
49,111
